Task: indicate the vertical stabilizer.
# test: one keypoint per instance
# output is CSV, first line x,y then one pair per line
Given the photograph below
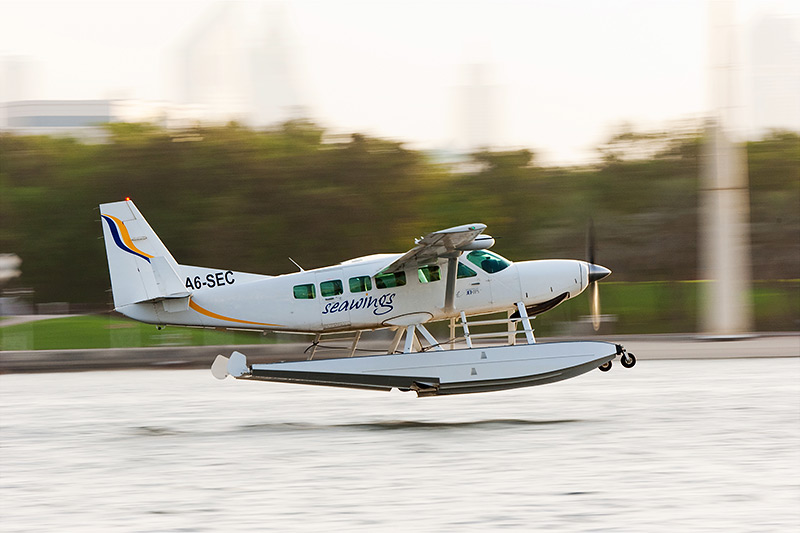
x,y
141,267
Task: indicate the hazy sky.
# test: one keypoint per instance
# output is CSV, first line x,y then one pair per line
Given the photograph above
x,y
564,73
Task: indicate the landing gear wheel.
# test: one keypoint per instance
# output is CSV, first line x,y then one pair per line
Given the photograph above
x,y
605,367
628,360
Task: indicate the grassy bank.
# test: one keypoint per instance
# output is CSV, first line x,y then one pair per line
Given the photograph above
x,y
629,308
670,307
106,331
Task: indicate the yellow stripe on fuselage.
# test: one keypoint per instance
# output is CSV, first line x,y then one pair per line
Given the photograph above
x,y
211,314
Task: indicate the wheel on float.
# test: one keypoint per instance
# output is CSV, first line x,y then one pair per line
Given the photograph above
x,y
605,367
628,360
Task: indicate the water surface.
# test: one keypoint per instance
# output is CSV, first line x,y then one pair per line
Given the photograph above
x,y
692,445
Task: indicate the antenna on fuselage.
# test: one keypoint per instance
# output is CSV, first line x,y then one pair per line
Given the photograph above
x,y
297,265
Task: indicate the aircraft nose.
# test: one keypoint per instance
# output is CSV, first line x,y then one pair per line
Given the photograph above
x,y
597,272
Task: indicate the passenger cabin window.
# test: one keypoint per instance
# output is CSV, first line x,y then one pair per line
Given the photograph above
x,y
429,273
392,279
488,261
331,287
360,284
465,272
304,292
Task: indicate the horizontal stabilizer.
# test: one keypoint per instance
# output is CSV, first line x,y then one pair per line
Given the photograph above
x,y
237,365
220,367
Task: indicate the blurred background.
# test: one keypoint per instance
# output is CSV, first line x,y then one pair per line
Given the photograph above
x,y
248,132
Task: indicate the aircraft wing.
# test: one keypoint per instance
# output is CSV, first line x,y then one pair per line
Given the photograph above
x,y
444,243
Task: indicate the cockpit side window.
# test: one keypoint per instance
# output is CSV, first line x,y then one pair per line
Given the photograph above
x,y
488,261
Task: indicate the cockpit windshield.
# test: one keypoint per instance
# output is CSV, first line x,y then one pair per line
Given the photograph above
x,y
488,261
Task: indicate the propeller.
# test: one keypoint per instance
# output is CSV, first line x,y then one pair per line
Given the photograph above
x,y
596,273
595,305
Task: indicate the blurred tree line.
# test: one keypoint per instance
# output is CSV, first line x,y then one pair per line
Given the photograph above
x,y
236,198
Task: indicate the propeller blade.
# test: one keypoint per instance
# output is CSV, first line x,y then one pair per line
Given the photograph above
x,y
596,273
595,306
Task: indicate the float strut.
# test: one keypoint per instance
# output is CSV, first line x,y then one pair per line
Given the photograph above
x,y
526,323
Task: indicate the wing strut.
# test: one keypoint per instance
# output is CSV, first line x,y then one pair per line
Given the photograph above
x,y
450,288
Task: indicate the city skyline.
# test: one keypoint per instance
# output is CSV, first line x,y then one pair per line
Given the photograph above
x,y
561,78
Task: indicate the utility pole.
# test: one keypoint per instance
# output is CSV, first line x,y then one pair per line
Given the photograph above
x,y
725,262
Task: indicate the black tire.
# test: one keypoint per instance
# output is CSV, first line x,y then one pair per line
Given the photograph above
x,y
605,367
628,361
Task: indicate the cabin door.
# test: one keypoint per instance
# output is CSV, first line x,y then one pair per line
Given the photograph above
x,y
333,300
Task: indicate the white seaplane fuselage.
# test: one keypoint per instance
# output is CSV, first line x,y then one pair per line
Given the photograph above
x,y
336,298
449,273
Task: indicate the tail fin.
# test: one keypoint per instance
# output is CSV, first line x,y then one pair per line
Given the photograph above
x,y
141,267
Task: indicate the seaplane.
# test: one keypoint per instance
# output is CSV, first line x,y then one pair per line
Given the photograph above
x,y
449,275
